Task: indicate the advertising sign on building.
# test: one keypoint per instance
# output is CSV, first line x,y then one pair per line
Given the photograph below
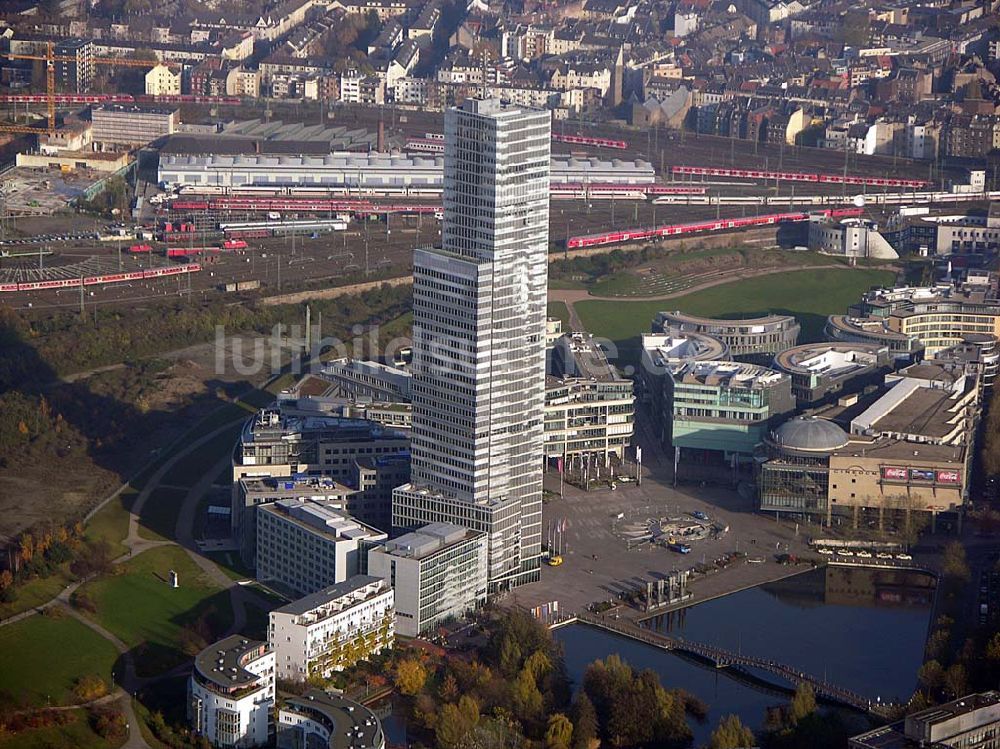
x,y
947,477
921,474
894,474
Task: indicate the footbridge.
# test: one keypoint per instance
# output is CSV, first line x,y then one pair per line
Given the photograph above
x,y
723,658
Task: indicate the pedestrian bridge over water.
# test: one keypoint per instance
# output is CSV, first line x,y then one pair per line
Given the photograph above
x,y
723,658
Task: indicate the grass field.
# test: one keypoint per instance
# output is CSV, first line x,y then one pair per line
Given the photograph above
x,y
76,733
111,522
42,656
559,309
809,295
158,518
189,469
142,609
37,591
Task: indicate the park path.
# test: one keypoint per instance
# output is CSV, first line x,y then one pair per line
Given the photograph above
x,y
570,296
239,595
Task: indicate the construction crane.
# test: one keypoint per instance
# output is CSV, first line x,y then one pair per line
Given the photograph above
x,y
51,58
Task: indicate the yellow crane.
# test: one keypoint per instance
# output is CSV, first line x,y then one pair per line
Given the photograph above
x,y
51,58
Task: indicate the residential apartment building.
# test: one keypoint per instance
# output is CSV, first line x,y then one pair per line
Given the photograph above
x,y
75,75
437,572
129,126
479,315
231,692
162,81
324,719
332,629
305,546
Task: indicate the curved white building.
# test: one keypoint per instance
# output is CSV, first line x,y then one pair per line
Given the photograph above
x,y
320,719
231,692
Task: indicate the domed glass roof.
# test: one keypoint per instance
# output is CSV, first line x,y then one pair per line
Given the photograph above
x,y
810,433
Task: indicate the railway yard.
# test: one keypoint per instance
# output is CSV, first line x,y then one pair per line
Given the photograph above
x,y
204,241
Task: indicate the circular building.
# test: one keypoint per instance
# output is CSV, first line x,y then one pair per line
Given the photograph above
x,y
751,340
809,435
794,476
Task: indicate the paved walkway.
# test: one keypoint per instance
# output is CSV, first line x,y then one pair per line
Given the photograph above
x,y
239,595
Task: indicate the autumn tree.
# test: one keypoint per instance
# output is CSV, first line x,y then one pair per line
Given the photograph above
x,y
956,681
455,722
803,703
525,695
931,675
584,722
410,676
449,689
558,732
731,734
89,687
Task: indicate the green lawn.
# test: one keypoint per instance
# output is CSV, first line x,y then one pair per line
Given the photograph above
x,y
189,469
110,523
42,656
809,295
158,518
229,562
142,609
559,309
76,733
37,591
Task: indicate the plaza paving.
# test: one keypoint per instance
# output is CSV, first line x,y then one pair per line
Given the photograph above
x,y
590,519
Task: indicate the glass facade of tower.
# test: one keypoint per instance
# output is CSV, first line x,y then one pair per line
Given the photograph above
x,y
479,307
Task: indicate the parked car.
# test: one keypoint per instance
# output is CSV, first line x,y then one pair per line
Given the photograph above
x,y
699,515
828,552
904,557
865,554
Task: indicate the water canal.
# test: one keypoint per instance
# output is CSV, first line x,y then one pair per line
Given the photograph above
x,y
860,628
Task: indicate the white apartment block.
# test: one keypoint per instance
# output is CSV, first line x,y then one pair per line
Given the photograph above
x,y
305,546
318,719
479,310
437,572
332,629
162,81
231,692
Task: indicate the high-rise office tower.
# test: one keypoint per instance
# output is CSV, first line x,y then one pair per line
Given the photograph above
x,y
478,385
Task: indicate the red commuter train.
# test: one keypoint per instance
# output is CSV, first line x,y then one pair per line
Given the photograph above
x,y
633,235
73,283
